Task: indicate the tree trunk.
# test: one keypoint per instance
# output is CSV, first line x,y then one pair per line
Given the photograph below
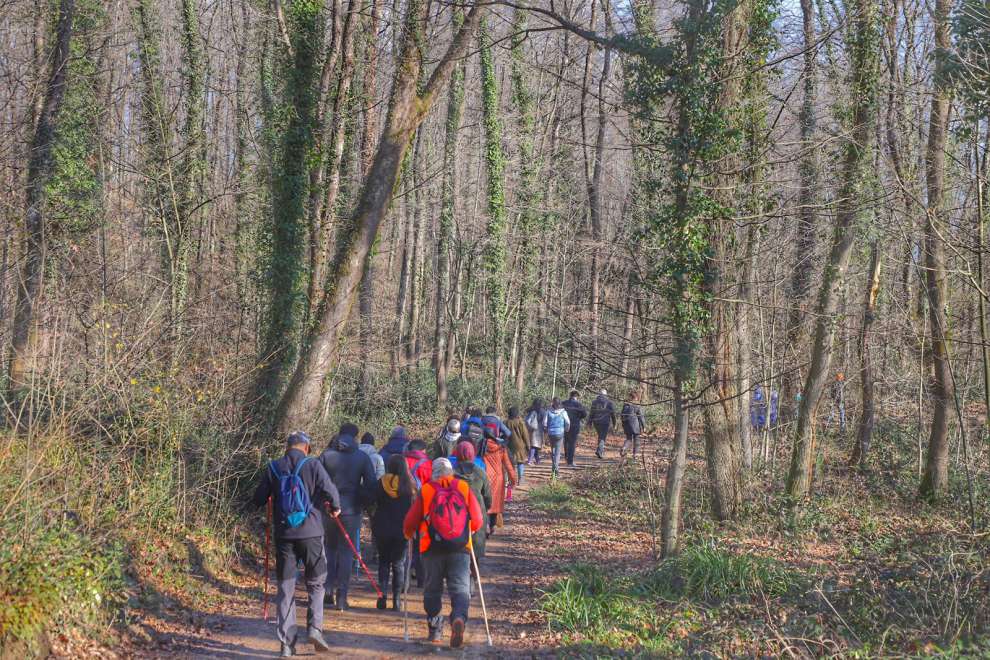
x,y
936,475
407,109
495,263
671,520
866,420
852,198
416,261
596,206
30,286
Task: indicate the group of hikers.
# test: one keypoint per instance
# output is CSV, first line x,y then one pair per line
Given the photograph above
x,y
431,506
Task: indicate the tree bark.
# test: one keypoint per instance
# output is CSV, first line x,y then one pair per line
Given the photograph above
x,y
30,286
671,519
866,420
407,109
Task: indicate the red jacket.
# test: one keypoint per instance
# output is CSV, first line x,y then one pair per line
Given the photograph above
x,y
416,516
425,470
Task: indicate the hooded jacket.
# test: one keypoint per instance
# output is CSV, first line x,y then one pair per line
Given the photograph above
x,y
602,412
518,444
576,412
420,465
632,419
352,473
391,510
444,445
376,459
317,483
396,445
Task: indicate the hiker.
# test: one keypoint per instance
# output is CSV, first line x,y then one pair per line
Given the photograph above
x,y
420,465
444,445
394,496
298,535
368,447
466,467
471,416
445,514
396,444
632,424
536,421
474,432
758,409
774,407
603,419
575,412
518,444
501,475
354,476
557,425
492,421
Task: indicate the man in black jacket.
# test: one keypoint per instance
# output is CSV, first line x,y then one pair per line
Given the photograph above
x,y
303,542
603,419
575,412
354,476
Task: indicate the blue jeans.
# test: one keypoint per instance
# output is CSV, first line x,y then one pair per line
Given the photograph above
x,y
556,444
340,558
455,568
520,470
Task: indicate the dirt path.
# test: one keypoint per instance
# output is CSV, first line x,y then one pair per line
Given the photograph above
x,y
522,558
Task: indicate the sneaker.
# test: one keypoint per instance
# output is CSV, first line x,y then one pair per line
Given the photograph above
x,y
382,603
435,627
457,633
319,644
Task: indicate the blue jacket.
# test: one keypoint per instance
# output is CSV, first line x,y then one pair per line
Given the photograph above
x,y
503,430
318,484
470,420
352,473
395,445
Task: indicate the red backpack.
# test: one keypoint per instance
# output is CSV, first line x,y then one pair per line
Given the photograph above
x,y
448,519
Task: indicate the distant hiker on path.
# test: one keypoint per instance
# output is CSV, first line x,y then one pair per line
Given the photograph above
x,y
445,513
518,444
298,535
576,412
393,498
632,424
603,419
354,476
501,475
536,421
444,445
557,425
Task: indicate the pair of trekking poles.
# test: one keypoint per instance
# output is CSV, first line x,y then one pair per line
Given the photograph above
x,y
378,591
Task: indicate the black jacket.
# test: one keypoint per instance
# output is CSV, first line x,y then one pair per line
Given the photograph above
x,y
318,484
602,412
353,474
632,419
575,412
390,512
395,445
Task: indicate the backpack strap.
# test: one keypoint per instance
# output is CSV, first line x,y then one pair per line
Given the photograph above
x,y
298,469
274,470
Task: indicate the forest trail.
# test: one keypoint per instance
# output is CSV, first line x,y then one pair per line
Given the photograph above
x,y
515,551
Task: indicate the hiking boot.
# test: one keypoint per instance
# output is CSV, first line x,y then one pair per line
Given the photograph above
x,y
287,650
319,644
328,599
396,599
435,626
456,633
381,603
342,603
599,455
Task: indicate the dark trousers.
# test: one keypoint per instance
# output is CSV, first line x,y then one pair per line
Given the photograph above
x,y
339,554
455,568
392,563
631,439
602,430
287,554
570,443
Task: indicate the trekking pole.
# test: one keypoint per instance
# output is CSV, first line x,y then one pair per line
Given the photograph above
x,y
357,554
405,592
481,593
268,544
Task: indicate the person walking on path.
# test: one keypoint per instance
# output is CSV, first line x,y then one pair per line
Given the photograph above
x,y
576,412
444,445
603,419
633,424
557,425
354,476
536,421
393,497
298,540
396,444
368,447
501,474
440,508
420,465
467,468
491,421
518,444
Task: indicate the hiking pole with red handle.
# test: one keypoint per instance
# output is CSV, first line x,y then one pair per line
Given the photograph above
x,y
357,554
268,544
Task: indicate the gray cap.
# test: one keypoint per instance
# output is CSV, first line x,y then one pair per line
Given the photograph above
x,y
442,468
453,426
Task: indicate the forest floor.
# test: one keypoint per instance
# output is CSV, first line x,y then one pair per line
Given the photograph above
x,y
861,570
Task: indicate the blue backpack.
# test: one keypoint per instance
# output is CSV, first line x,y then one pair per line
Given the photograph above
x,y
555,422
293,500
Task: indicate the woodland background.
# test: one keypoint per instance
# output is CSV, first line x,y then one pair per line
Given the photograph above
x,y
224,220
